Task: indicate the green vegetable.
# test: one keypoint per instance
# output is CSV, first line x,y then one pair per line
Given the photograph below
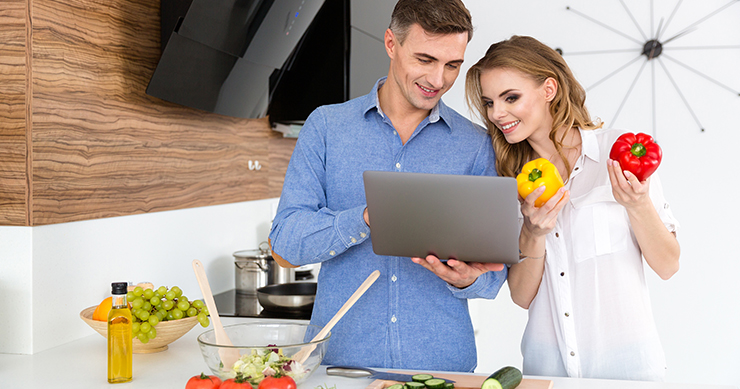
x,y
435,383
414,385
421,377
266,362
396,386
508,377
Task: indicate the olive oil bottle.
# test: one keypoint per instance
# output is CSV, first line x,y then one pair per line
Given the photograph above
x,y
120,348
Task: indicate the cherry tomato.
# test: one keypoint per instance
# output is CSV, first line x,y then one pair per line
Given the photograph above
x,y
283,382
203,381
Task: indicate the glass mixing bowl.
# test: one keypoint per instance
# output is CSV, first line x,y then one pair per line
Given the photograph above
x,y
266,349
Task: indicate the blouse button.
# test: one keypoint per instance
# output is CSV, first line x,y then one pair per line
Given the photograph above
x,y
353,240
557,235
562,273
362,234
572,353
332,252
567,314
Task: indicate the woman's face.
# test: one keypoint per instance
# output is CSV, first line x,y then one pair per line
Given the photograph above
x,y
516,104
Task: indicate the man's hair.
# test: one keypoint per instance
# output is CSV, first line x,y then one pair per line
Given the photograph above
x,y
434,16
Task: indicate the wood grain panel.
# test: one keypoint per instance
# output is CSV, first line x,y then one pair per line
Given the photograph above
x,y
13,14
102,147
279,151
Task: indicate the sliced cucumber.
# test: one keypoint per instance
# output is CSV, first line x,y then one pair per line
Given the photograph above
x,y
396,386
435,383
508,377
415,385
449,385
421,377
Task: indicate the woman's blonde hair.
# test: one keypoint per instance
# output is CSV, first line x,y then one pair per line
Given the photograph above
x,y
540,62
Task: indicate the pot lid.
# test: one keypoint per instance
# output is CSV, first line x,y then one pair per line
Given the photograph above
x,y
261,253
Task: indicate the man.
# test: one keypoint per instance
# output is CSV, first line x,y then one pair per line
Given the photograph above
x,y
415,316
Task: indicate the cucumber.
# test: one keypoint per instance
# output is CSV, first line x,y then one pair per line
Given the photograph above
x,y
396,386
415,385
449,385
508,377
421,377
435,383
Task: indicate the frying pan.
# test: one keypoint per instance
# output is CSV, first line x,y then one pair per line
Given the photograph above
x,y
290,297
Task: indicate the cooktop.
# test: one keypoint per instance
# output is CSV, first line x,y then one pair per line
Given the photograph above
x,y
232,304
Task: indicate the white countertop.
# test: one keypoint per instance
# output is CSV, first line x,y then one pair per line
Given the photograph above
x,y
82,364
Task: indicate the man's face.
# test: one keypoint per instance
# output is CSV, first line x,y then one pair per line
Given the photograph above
x,y
425,66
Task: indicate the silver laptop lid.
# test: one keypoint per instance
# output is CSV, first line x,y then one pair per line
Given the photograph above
x,y
469,218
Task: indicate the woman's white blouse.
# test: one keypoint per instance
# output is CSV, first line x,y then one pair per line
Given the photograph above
x,y
592,315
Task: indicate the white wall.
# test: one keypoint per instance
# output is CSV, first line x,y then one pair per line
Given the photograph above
x,y
698,310
48,274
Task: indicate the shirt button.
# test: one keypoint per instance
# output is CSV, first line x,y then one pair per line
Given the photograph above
x,y
572,353
353,240
362,234
398,165
557,235
576,168
562,273
394,278
567,314
393,319
332,252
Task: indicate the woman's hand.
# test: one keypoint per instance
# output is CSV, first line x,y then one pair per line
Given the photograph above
x,y
627,189
540,221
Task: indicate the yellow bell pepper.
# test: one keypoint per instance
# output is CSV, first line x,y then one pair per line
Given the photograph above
x,y
537,173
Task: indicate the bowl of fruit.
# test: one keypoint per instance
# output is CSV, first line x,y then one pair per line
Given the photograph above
x,y
262,349
160,316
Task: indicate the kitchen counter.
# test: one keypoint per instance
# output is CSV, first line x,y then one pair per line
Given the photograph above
x,y
82,364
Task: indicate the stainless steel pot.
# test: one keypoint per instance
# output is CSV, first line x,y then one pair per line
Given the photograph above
x,y
252,268
292,297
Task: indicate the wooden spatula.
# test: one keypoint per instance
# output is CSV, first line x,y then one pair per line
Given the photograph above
x,y
228,355
303,354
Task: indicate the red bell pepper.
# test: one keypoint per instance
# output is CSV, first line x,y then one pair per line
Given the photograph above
x,y
637,153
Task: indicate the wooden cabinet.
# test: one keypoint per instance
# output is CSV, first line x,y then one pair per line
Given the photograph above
x,y
80,139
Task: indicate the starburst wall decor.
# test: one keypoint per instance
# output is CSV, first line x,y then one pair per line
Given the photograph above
x,y
655,49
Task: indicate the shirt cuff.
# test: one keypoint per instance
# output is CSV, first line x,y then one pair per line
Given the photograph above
x,y
350,226
485,286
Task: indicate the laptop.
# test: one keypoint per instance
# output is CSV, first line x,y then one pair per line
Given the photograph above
x,y
468,218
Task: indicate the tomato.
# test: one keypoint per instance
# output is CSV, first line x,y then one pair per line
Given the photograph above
x,y
284,382
203,381
239,382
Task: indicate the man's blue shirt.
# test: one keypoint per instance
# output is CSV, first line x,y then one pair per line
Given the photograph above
x,y
409,318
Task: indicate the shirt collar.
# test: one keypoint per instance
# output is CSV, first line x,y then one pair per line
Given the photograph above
x,y
440,110
590,145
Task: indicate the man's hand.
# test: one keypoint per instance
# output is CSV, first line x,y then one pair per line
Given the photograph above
x,y
457,273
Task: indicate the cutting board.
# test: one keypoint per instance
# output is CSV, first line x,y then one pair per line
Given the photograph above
x,y
465,381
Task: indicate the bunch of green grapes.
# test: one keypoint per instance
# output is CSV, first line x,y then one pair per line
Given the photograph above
x,y
151,306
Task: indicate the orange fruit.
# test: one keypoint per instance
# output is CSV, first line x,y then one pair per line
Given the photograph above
x,y
101,312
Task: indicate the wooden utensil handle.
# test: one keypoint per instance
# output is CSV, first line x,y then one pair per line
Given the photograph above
x,y
205,287
348,304
303,354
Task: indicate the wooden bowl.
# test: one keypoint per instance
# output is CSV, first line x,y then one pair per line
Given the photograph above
x,y
167,331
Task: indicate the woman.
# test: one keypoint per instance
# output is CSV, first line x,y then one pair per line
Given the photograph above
x,y
581,276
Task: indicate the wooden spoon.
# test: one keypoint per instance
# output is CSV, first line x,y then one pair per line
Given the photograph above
x,y
303,354
228,355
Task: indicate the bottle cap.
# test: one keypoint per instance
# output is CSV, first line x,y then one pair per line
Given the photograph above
x,y
119,287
